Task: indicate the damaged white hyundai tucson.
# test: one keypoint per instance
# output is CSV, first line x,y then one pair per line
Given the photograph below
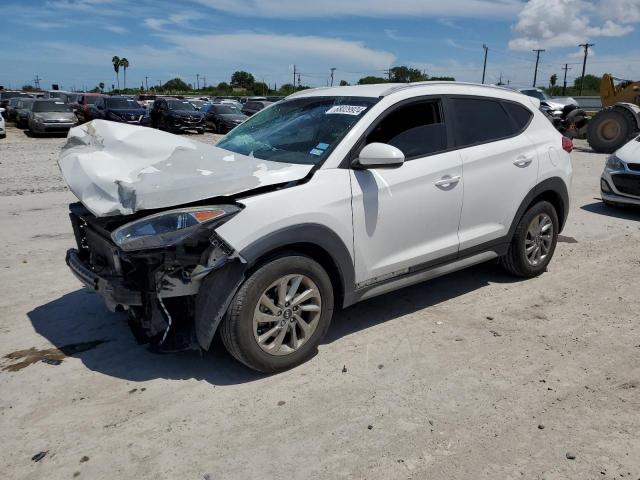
x,y
327,198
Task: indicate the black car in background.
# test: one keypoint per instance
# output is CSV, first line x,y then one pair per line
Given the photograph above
x,y
252,107
23,110
176,115
118,109
5,96
221,117
10,109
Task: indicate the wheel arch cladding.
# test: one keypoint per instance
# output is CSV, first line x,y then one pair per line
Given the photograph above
x,y
316,241
552,190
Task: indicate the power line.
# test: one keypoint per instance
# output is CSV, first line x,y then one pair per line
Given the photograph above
x,y
484,68
584,62
535,72
564,83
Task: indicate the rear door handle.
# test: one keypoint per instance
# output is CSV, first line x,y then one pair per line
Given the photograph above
x,y
523,162
447,182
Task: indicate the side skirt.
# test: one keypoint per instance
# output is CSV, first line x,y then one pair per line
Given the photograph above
x,y
422,275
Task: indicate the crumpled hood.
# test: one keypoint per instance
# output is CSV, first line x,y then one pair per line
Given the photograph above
x,y
119,169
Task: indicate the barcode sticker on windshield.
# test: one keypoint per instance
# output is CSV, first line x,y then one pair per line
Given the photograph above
x,y
346,109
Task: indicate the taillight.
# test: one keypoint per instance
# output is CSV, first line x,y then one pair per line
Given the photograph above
x,y
567,144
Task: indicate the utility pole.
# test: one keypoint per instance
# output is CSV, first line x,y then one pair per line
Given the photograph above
x,y
584,62
36,82
204,83
484,68
535,72
333,69
294,76
299,84
146,83
198,81
564,83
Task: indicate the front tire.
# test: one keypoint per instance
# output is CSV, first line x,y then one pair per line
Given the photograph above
x,y
279,315
534,241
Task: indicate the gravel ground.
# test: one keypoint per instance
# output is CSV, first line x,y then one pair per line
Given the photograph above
x,y
473,375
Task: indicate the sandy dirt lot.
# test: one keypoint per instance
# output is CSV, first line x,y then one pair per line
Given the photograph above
x,y
474,375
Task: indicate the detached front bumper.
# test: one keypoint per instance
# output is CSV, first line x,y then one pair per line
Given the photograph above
x,y
112,289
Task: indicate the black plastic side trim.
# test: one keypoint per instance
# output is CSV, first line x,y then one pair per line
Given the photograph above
x,y
213,299
554,185
308,233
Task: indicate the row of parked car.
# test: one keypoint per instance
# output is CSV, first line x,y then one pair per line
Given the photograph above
x,y
174,114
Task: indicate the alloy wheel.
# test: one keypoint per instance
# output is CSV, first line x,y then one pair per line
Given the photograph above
x,y
287,314
539,239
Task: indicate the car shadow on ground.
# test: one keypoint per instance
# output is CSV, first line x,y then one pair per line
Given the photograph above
x,y
30,134
624,213
81,316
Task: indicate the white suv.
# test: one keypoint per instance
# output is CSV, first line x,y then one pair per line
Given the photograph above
x,y
324,199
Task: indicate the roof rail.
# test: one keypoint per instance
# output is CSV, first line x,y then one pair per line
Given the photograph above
x,y
405,86
299,92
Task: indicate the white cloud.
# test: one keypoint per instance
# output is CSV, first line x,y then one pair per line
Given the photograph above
x,y
370,8
115,29
175,20
268,50
268,56
563,23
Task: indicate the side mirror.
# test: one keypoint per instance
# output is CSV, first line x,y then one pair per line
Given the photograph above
x,y
1,110
379,155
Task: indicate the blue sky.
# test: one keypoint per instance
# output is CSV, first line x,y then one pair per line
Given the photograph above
x,y
71,42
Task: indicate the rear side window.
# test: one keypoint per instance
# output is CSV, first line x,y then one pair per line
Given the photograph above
x,y
416,129
480,121
519,114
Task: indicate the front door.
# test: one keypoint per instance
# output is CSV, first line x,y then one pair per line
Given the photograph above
x,y
407,216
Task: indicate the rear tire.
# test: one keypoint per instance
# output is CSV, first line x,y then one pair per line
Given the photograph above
x,y
610,129
258,308
534,241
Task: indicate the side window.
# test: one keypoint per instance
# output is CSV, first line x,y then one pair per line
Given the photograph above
x,y
417,129
520,114
480,121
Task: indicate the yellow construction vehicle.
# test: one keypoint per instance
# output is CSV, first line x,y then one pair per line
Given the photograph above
x,y
619,119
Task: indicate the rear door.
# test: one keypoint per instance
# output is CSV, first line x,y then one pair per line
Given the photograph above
x,y
499,162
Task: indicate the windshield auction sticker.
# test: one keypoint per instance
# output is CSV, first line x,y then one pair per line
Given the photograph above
x,y
346,109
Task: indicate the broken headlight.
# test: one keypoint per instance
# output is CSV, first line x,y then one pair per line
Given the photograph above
x,y
166,229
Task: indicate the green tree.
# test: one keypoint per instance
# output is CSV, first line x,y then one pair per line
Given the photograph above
x,y
553,80
28,88
344,83
441,79
371,79
124,63
242,79
176,84
591,82
286,89
224,86
101,85
116,66
405,74
260,88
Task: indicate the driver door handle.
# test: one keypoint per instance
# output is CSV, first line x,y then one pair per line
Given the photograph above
x,y
447,182
523,161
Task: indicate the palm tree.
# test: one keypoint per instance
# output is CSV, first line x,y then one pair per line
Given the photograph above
x,y
116,66
124,63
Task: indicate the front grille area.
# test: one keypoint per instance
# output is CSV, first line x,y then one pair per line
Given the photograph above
x,y
627,184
